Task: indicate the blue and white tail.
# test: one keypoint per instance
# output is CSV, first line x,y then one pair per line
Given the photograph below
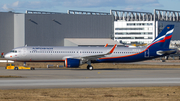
x,y
162,41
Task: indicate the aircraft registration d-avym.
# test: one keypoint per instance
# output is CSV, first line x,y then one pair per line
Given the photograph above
x,y
76,56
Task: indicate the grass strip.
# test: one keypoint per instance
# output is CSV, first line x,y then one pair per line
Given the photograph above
x,y
93,94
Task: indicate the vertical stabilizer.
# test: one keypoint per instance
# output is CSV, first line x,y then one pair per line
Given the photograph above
x,y
162,41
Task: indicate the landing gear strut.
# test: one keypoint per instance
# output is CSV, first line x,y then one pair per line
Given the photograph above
x,y
24,64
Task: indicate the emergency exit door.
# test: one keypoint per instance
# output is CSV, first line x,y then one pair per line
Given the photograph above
x,y
146,53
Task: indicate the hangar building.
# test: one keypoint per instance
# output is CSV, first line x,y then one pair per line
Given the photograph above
x,y
39,28
143,27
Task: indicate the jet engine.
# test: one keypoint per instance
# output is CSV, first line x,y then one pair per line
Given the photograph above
x,y
71,62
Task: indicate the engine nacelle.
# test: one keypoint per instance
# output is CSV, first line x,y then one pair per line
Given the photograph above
x,y
70,62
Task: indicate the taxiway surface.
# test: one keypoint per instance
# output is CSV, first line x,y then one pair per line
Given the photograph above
x,y
66,78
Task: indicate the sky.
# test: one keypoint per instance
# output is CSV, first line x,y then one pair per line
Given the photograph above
x,y
20,6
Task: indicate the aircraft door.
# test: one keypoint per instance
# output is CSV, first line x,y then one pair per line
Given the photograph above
x,y
24,51
146,53
80,52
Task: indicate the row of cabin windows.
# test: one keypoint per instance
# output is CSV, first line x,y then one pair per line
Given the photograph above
x,y
76,52
90,52
53,52
64,52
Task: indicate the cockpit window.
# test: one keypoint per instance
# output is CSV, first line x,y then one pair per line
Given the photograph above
x,y
14,51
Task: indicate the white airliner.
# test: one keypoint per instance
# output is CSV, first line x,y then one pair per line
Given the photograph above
x,y
76,56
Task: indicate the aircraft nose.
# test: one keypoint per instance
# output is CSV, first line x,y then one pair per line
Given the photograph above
x,y
7,56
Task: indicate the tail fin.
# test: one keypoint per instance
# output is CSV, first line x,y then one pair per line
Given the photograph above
x,y
162,41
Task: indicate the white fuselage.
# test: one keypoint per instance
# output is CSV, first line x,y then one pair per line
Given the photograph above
x,y
54,53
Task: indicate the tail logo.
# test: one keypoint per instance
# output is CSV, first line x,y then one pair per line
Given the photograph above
x,y
163,38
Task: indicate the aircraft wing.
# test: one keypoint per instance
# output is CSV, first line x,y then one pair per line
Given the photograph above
x,y
93,57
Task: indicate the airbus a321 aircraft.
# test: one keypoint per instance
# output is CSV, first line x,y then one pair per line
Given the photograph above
x,y
76,56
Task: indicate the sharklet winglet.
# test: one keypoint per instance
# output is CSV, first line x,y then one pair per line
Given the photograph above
x,y
112,50
106,45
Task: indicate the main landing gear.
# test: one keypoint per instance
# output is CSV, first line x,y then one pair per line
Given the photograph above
x,y
89,67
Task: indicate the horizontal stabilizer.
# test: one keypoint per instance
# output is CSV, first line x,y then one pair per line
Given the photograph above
x,y
162,52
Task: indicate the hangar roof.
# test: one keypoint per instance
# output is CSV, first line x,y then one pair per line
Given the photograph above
x,y
92,41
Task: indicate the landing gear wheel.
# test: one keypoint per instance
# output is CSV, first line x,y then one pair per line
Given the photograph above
x,y
32,68
16,68
89,67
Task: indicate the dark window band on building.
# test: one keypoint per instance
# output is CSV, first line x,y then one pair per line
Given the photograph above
x,y
132,38
129,28
134,33
139,24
